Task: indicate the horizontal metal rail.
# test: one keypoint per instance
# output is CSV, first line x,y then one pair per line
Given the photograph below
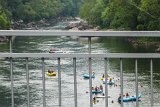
x,y
80,55
79,33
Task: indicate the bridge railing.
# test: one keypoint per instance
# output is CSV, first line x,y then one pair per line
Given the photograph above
x,y
74,56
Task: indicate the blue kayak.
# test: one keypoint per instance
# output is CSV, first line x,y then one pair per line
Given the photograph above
x,y
96,92
87,76
129,98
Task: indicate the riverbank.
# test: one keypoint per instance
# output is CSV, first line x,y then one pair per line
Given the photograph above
x,y
19,25
136,43
4,39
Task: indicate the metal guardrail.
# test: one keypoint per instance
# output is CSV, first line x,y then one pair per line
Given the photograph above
x,y
79,33
74,56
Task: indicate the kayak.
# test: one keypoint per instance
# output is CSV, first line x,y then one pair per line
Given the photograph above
x,y
87,76
96,92
129,98
51,74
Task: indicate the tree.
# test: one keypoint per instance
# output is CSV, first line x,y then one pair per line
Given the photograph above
x,y
120,15
4,16
91,11
149,16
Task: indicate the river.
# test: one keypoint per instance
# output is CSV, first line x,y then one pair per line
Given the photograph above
x,y
101,45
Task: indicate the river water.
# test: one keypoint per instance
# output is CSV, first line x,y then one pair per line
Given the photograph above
x,y
75,45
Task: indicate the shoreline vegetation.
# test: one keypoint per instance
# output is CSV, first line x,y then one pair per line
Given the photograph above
x,y
77,24
34,25
142,15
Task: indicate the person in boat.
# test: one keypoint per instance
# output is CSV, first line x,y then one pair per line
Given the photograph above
x,y
50,71
110,80
103,76
94,100
92,88
93,73
52,50
96,88
101,87
127,95
119,97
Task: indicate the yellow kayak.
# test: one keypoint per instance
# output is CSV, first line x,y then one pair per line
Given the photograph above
x,y
51,74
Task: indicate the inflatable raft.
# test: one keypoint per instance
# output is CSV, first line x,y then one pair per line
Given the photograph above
x,y
87,76
109,82
51,74
97,91
129,98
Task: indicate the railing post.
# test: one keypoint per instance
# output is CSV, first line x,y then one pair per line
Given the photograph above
x,y
75,82
89,44
106,86
43,82
136,70
59,82
10,44
27,77
12,85
90,82
151,70
121,80
90,71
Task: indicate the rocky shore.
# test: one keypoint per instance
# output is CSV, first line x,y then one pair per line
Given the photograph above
x,y
20,25
74,24
4,39
155,45
37,24
80,24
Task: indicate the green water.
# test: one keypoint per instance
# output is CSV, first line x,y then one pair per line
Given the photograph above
x,y
102,45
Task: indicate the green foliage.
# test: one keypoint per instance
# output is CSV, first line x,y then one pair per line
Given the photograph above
x,y
4,21
122,14
26,12
4,16
91,11
33,10
149,17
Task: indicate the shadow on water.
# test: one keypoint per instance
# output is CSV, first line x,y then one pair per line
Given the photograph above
x,y
120,44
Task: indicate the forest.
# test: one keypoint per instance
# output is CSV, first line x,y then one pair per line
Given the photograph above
x,y
33,10
107,14
122,14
